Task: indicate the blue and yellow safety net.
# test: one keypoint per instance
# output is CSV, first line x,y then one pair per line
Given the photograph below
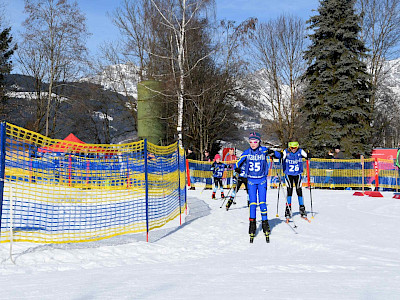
x,y
324,173
55,191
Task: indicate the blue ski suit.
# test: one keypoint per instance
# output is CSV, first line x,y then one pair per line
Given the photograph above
x,y
218,171
256,171
293,168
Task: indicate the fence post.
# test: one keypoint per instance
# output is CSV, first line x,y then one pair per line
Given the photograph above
x,y
362,172
187,168
179,185
146,189
2,165
376,166
187,172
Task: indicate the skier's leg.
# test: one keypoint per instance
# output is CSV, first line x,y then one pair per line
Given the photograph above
x,y
299,192
233,195
221,188
253,199
262,199
288,209
215,187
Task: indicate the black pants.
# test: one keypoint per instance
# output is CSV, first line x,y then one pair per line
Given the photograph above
x,y
294,180
241,180
218,183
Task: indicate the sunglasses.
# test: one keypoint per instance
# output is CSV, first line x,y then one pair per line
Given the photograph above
x,y
291,148
253,141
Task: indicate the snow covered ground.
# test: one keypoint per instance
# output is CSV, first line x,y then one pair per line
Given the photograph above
x,y
350,250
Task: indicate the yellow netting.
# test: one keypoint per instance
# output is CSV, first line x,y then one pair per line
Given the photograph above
x,y
57,191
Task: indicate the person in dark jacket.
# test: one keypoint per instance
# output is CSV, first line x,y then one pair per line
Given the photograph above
x,y
190,154
206,156
338,153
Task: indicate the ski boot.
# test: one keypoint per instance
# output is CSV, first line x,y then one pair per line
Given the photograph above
x,y
266,229
303,213
252,229
222,195
288,211
229,203
213,195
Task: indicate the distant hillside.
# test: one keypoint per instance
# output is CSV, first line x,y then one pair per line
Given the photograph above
x,y
93,114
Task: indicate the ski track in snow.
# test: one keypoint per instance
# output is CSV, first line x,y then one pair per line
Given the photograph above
x,y
350,250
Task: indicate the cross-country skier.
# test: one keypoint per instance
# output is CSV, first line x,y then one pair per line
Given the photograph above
x,y
241,179
292,162
218,169
255,159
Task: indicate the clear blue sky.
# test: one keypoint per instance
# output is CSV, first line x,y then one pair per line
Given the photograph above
x,y
99,24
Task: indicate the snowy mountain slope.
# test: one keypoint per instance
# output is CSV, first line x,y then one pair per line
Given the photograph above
x,y
121,78
348,251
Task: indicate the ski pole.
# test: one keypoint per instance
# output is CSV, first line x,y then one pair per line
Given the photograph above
x,y
227,196
291,214
287,205
309,186
279,187
277,202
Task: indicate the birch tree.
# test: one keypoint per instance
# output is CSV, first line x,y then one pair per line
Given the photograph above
x,y
177,16
54,43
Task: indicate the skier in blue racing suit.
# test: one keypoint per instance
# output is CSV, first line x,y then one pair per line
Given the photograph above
x,y
292,162
255,159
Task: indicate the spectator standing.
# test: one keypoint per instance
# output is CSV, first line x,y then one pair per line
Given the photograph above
x,y
338,153
206,156
231,158
190,154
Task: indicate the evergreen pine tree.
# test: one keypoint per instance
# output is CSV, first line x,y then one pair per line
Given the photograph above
x,y
6,51
337,93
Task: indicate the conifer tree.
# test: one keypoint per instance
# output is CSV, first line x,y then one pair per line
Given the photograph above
x,y
338,89
6,51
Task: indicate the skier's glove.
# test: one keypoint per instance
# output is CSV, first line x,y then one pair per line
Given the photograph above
x,y
309,156
237,170
271,153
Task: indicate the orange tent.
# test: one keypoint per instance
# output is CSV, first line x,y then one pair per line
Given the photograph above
x,y
72,144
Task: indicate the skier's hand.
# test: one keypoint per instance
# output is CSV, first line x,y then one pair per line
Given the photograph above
x,y
309,156
270,152
237,170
